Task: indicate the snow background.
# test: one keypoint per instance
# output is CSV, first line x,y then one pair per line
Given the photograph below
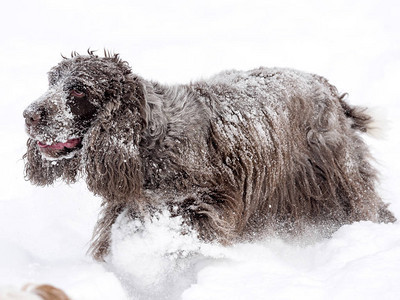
x,y
44,232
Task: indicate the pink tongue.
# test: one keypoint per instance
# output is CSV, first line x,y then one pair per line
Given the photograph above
x,y
58,146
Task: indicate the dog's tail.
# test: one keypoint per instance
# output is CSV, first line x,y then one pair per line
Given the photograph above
x,y
364,119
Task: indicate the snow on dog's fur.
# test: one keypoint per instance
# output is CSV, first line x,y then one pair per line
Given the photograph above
x,y
238,155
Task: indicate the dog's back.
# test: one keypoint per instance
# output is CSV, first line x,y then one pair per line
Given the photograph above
x,y
273,147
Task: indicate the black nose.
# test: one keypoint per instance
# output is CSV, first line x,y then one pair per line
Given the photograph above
x,y
32,117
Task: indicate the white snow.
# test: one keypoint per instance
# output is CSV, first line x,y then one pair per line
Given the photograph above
x,y
45,232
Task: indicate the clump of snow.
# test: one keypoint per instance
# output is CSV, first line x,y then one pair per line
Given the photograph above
x,y
157,259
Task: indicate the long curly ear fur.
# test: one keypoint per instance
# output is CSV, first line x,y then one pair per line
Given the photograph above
x,y
42,172
111,157
111,154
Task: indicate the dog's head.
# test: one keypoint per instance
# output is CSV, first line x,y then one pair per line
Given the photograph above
x,y
80,89
91,116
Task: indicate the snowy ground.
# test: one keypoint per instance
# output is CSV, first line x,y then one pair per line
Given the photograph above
x,y
44,232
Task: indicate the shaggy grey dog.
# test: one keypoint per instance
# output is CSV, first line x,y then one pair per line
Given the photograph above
x,y
238,155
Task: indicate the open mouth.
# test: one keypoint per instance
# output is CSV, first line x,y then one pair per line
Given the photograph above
x,y
70,144
59,149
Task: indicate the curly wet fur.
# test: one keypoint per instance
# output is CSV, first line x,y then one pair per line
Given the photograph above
x,y
241,153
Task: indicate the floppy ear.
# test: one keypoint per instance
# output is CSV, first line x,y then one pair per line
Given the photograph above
x,y
110,154
42,172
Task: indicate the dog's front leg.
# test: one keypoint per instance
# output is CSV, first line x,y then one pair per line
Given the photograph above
x,y
216,216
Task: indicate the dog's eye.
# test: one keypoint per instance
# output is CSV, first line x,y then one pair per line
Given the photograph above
x,y
77,94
